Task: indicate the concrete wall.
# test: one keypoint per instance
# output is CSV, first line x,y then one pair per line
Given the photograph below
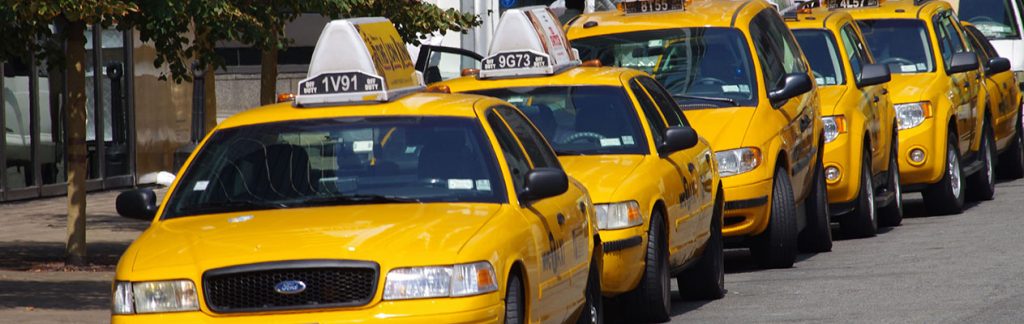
x,y
237,92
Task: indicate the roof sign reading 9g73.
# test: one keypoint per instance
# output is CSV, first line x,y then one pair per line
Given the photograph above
x,y
528,41
357,60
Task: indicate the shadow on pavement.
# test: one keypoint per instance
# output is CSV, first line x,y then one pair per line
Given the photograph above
x,y
114,223
71,295
21,256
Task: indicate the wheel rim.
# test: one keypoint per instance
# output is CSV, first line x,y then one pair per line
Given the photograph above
x,y
896,185
989,170
953,170
665,285
593,314
868,189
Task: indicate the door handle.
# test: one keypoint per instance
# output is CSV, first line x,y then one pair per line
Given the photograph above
x,y
967,84
561,219
877,99
692,168
885,91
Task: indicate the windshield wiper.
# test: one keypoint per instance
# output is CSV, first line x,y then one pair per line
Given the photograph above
x,y
356,199
715,99
229,206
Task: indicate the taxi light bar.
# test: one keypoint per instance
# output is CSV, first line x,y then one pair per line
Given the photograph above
x,y
358,60
592,63
850,4
470,72
285,97
528,41
649,6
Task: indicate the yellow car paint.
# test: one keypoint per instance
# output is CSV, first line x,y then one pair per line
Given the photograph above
x,y
1004,97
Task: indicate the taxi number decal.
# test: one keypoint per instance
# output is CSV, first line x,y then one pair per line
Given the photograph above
x,y
331,83
837,4
644,6
515,60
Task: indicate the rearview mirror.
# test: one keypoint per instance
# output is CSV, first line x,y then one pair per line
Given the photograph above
x,y
963,62
794,84
544,183
874,74
137,204
998,65
677,138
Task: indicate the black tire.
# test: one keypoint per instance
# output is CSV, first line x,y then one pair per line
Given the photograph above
x,y
706,279
892,214
1011,164
515,303
593,309
776,247
653,300
946,196
817,236
863,220
983,182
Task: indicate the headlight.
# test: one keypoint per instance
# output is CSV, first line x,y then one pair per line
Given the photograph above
x,y
440,281
911,115
618,215
155,297
738,161
833,126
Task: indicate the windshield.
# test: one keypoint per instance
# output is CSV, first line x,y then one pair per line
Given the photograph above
x,y
339,161
820,49
902,44
580,120
690,62
994,18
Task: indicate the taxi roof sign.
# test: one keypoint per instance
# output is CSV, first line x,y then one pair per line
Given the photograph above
x,y
357,60
649,6
850,4
528,41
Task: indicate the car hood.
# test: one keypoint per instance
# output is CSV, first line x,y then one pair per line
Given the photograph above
x,y
906,88
830,96
724,128
390,234
601,174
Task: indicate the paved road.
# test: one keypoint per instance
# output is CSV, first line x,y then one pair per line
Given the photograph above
x,y
932,269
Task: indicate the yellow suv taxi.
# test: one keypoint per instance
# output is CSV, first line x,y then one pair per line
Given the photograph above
x,y
861,165
738,73
652,179
1004,102
938,92
365,200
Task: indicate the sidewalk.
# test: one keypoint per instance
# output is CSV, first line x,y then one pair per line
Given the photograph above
x,y
32,246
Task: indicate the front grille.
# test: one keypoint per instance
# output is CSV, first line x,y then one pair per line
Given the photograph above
x,y
328,283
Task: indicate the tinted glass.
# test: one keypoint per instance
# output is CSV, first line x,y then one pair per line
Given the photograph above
x,y
668,107
517,162
949,38
580,120
994,18
340,161
902,44
534,143
776,50
705,62
654,119
820,48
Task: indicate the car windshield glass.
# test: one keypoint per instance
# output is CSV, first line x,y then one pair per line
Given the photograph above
x,y
339,161
820,49
690,62
580,120
902,44
994,18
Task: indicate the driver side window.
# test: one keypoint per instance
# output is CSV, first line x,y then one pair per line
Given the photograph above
x,y
518,165
654,119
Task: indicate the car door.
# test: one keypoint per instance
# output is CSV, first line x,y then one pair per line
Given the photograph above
x,y
1003,83
779,55
676,180
874,101
439,63
563,258
965,86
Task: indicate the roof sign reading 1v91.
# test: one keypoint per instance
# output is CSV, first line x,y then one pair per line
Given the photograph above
x,y
358,60
528,41
841,4
646,6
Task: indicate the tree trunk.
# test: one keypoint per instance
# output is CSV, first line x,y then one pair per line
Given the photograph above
x,y
268,77
210,99
77,163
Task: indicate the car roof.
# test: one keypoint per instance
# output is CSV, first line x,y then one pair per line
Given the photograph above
x,y
415,104
597,76
899,9
699,13
820,18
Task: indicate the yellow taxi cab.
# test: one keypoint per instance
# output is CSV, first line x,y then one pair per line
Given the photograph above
x,y
652,179
1005,103
738,73
938,93
861,165
365,200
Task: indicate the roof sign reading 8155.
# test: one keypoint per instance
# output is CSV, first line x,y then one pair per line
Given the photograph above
x,y
841,4
646,6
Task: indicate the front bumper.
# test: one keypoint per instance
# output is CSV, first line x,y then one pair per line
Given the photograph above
x,y
747,207
844,154
930,139
486,308
623,259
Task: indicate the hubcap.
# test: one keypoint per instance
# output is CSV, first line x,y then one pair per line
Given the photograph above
x,y
593,314
953,169
896,187
871,198
988,165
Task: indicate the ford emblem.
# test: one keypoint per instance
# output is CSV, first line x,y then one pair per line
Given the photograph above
x,y
290,287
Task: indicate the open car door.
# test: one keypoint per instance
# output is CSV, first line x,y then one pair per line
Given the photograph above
x,y
439,63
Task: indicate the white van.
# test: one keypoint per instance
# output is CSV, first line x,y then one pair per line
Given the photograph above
x,y
1001,22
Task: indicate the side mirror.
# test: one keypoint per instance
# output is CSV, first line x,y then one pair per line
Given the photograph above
x,y
874,74
677,138
998,65
794,84
963,62
137,204
544,183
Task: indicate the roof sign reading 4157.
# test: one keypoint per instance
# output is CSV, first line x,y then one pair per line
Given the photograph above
x,y
515,60
645,6
344,82
840,4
